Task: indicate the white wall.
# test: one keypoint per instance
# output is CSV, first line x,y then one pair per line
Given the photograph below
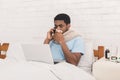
x,y
28,20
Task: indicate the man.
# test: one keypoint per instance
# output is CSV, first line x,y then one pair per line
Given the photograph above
x,y
64,43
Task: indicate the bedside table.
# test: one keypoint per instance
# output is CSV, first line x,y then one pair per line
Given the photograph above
x,y
104,69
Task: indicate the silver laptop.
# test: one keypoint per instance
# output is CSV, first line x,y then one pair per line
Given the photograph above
x,y
38,52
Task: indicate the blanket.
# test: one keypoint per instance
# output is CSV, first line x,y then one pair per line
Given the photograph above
x,y
69,35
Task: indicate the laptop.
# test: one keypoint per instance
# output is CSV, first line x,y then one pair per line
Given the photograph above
x,y
38,52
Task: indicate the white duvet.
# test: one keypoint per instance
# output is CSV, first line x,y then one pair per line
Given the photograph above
x,y
12,70
66,71
24,71
15,67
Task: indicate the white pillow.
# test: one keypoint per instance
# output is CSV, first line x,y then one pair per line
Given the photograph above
x,y
87,59
66,71
15,52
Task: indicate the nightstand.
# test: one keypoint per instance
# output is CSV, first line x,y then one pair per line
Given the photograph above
x,y
104,69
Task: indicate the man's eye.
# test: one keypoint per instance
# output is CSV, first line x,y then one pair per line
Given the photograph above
x,y
61,26
55,27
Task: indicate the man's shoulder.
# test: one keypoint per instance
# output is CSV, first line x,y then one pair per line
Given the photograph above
x,y
78,38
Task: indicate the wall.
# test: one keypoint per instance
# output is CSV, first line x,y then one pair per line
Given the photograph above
x,y
28,20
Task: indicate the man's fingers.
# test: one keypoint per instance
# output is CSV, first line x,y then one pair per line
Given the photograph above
x,y
59,31
52,30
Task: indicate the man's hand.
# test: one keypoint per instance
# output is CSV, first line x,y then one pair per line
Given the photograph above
x,y
70,57
49,36
58,37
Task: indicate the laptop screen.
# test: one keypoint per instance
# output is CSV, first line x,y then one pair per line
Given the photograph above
x,y
38,52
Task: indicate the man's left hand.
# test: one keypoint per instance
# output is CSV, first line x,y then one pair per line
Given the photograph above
x,y
58,37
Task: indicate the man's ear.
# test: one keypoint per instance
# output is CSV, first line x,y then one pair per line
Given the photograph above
x,y
68,26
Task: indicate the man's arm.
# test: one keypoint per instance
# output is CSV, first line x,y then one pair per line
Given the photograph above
x,y
46,41
49,37
70,57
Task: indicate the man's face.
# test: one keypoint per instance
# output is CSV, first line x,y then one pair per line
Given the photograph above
x,y
61,25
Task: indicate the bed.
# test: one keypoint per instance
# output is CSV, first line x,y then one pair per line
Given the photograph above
x,y
13,66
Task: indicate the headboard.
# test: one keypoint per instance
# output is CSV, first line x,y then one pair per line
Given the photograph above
x,y
97,53
4,48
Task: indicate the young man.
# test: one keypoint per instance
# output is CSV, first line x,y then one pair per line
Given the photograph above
x,y
65,44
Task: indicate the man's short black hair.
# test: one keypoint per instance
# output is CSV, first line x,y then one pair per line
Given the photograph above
x,y
64,17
